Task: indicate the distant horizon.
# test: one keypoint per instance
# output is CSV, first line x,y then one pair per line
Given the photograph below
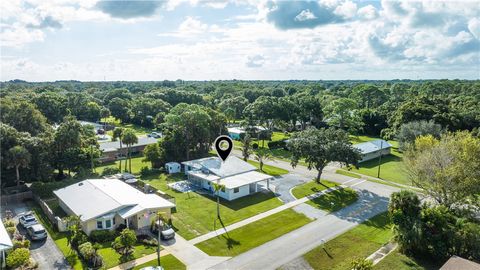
x,y
133,40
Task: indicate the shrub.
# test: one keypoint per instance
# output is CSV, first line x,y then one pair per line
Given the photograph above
x,y
89,253
78,239
255,145
18,257
362,264
110,171
102,236
11,231
145,171
276,144
123,244
21,244
9,223
147,240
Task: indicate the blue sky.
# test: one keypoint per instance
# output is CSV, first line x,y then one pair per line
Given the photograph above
x,y
92,40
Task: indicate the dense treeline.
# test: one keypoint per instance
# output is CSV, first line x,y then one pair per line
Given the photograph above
x,y
199,111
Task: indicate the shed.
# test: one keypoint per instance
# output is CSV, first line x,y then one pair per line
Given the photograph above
x,y
172,167
373,149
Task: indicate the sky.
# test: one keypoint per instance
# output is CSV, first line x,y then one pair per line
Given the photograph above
x,y
92,40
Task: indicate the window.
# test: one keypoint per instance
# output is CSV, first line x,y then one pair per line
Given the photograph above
x,y
108,223
113,219
99,224
236,190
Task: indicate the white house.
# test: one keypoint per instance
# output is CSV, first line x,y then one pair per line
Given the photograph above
x,y
173,167
104,204
373,149
5,243
238,178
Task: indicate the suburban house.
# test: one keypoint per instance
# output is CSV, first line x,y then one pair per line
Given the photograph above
x,y
111,150
5,244
456,263
373,149
237,133
105,204
238,178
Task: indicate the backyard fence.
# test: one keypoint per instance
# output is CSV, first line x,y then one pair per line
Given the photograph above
x,y
55,220
15,198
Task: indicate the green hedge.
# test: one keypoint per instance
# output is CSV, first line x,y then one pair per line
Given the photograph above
x,y
45,189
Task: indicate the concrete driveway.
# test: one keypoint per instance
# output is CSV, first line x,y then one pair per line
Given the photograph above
x,y
45,252
285,182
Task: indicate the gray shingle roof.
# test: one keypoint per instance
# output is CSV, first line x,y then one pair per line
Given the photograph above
x,y
372,146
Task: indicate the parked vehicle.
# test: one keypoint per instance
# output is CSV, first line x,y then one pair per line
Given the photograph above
x,y
27,220
37,232
155,135
166,231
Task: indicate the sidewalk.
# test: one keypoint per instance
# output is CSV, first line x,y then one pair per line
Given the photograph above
x,y
266,214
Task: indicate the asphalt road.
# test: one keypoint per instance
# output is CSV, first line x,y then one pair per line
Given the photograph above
x,y
45,252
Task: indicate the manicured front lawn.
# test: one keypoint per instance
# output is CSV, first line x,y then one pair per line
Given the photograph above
x,y
195,214
168,262
311,187
399,261
111,258
392,167
359,242
268,169
254,234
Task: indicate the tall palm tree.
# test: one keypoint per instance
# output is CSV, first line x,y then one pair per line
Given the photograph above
x,y
118,134
262,156
18,157
246,147
217,187
129,138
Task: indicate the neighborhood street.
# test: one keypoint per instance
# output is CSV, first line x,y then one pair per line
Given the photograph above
x,y
373,199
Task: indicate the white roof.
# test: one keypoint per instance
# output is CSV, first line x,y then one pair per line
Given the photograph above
x,y
5,241
96,197
231,166
112,146
372,146
243,179
236,130
172,163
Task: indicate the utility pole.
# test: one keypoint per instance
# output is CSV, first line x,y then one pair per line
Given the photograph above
x,y
380,158
158,239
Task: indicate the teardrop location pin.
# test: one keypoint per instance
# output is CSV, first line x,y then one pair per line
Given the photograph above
x,y
224,146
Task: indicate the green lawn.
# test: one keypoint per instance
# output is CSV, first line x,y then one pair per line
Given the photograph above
x,y
399,261
359,242
347,173
195,214
111,258
168,262
137,165
139,130
254,234
332,201
268,169
386,182
311,187
392,167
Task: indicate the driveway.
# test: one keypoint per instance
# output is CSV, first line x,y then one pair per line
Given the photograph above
x,y
285,182
45,252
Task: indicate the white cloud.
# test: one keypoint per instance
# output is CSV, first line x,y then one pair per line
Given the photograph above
x,y
474,27
367,12
347,9
305,15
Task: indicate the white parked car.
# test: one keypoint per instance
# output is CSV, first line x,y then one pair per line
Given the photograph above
x,y
155,135
37,232
27,220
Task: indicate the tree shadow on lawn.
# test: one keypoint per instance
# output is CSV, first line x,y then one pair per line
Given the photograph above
x,y
243,202
368,205
374,162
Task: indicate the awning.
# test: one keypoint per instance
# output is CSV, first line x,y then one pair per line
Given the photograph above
x,y
244,179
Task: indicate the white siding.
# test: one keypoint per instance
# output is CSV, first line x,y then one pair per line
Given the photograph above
x,y
242,191
376,154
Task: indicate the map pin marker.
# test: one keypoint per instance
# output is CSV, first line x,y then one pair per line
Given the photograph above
x,y
223,151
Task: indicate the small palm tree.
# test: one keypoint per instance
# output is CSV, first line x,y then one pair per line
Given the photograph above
x,y
246,147
18,157
129,138
217,187
262,156
118,134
